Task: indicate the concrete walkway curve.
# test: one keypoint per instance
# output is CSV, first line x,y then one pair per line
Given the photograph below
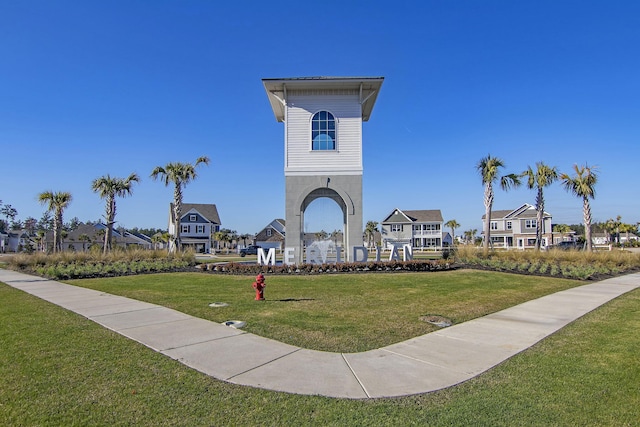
x,y
427,363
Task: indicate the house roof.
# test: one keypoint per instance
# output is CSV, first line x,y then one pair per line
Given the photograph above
x,y
524,211
368,87
207,210
425,215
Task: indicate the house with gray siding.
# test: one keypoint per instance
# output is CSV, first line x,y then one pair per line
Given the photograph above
x,y
516,228
422,229
272,236
198,223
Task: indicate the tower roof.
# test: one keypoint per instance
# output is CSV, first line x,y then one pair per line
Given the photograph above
x,y
367,86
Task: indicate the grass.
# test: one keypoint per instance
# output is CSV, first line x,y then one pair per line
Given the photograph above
x,y
57,368
336,312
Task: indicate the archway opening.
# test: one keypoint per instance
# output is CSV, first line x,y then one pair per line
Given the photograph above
x,y
323,226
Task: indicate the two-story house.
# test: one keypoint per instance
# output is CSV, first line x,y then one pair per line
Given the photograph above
x,y
198,222
422,229
517,228
272,236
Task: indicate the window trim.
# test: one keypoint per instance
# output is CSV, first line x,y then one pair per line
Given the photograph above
x,y
193,217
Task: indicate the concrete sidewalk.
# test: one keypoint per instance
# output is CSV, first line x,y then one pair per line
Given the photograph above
x,y
423,364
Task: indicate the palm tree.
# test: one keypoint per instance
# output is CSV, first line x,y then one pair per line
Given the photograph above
x,y
56,203
542,177
84,238
452,224
488,167
108,188
562,229
179,174
370,229
582,185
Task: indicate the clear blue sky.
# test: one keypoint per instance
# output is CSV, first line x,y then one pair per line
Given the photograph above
x,y
90,88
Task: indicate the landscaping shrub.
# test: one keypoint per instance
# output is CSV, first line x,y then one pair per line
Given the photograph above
x,y
569,264
68,265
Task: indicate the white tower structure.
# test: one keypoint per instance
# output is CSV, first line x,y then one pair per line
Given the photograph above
x,y
323,148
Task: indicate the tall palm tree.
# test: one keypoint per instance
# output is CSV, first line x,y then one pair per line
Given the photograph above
x,y
178,174
370,230
582,185
108,188
488,168
542,177
56,203
452,224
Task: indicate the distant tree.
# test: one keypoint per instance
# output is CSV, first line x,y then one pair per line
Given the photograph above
x,y
542,177
627,229
321,235
46,221
563,229
582,184
9,212
149,232
470,235
41,238
335,235
178,174
488,168
244,238
31,225
370,231
160,238
452,224
56,203
72,224
84,238
109,188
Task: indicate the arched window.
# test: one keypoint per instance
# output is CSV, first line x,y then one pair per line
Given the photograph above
x,y
323,131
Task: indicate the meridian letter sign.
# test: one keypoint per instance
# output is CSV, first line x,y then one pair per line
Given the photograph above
x,y
323,156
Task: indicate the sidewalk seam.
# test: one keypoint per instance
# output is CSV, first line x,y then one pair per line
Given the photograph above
x,y
355,375
263,364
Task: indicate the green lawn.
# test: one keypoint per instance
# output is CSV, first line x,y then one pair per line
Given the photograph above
x,y
336,312
58,368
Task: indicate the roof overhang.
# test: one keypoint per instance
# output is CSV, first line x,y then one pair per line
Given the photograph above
x,y
368,88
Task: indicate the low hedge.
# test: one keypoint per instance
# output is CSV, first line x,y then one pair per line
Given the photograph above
x,y
346,267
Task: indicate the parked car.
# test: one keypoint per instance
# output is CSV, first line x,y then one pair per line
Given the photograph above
x,y
249,250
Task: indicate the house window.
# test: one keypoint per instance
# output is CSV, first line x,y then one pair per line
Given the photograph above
x,y
417,227
268,232
531,242
509,226
432,227
494,225
396,227
185,228
530,223
200,229
193,218
323,131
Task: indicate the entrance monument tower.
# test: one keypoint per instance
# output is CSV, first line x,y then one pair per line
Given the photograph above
x,y
323,149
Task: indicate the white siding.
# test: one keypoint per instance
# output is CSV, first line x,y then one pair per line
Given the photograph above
x,y
299,158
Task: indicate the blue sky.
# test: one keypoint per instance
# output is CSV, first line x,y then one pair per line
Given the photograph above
x,y
91,88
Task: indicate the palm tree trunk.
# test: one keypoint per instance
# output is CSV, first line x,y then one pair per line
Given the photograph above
x,y
539,218
110,215
488,202
177,212
586,211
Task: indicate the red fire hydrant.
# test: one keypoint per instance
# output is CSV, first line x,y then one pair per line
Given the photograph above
x,y
259,285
